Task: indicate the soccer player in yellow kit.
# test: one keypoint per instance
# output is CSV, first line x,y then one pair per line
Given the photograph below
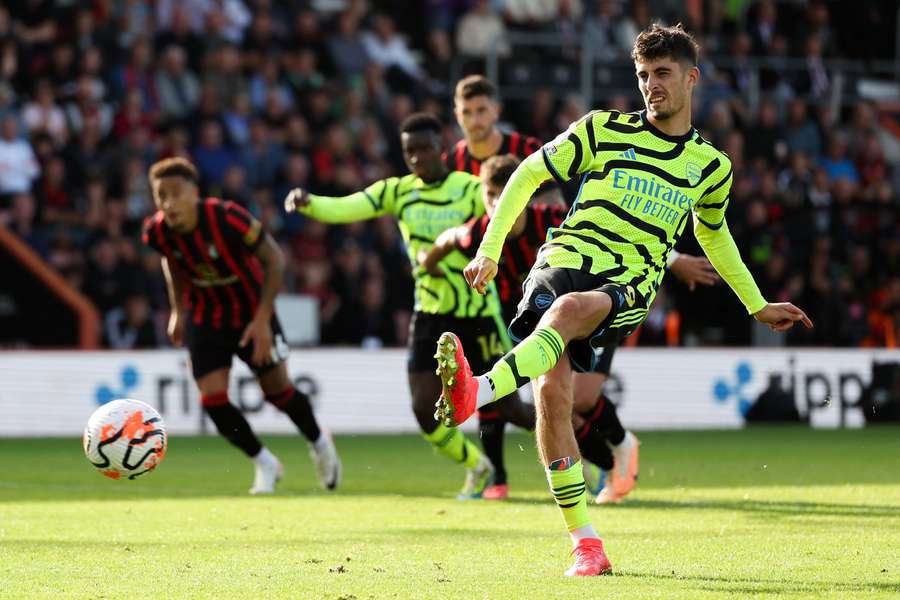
x,y
425,202
642,175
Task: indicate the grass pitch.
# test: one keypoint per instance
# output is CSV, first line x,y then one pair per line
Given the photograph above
x,y
775,512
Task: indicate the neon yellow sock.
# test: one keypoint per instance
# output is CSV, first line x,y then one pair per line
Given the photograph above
x,y
567,486
532,357
452,443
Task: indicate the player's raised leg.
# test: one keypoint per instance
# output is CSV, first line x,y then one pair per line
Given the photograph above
x,y
281,393
463,393
449,441
233,426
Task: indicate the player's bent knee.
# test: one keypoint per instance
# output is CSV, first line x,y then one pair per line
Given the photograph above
x,y
214,400
565,308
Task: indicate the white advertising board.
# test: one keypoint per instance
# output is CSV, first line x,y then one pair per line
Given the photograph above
x,y
365,391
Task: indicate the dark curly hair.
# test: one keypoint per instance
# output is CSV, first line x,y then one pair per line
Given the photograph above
x,y
659,41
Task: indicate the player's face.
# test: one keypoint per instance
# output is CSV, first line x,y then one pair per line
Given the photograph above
x,y
476,116
422,153
666,86
177,198
490,195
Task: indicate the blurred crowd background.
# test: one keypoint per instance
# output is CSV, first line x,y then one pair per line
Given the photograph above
x,y
267,95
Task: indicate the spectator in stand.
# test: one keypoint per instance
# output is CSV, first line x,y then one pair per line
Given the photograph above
x,y
22,222
389,51
836,163
131,326
177,87
346,48
106,277
223,74
480,30
18,165
439,61
763,26
211,155
43,115
237,119
802,133
301,73
178,32
767,141
88,105
262,158
536,15
813,82
267,80
610,32
870,164
58,207
260,41
231,16
131,115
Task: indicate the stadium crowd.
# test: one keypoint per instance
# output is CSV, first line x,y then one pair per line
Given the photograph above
x,y
267,95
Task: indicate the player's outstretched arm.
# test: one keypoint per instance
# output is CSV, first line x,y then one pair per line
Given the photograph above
x,y
259,330
359,206
782,316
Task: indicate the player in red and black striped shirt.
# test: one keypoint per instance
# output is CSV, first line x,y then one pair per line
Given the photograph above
x,y
223,273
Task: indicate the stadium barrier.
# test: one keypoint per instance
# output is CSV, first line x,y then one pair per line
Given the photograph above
x,y
88,319
364,391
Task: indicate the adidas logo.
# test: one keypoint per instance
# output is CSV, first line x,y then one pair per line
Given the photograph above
x,y
629,154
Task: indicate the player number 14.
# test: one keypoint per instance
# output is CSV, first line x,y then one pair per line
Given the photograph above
x,y
490,346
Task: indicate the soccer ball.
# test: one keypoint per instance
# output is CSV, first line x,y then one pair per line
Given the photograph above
x,y
125,439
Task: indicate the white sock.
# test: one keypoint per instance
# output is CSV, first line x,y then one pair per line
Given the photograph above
x,y
485,391
321,442
626,442
587,531
265,458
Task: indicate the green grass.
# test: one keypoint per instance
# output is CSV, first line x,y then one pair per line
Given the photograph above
x,y
775,512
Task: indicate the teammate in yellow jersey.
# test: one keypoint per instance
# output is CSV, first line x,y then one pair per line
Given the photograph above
x,y
425,202
642,176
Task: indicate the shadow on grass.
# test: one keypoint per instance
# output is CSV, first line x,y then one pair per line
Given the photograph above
x,y
754,585
49,492
798,508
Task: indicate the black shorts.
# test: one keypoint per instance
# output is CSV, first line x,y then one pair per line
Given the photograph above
x,y
603,364
591,354
212,349
480,336
604,360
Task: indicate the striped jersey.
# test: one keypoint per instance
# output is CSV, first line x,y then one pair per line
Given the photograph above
x,y
217,260
638,186
515,143
423,211
519,253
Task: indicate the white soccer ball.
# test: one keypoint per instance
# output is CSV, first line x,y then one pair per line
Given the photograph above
x,y
125,439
